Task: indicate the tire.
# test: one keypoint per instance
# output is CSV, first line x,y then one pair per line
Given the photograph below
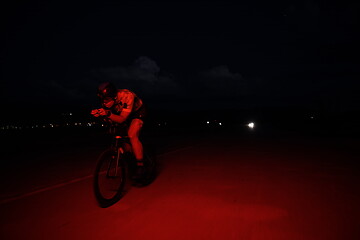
x,y
109,179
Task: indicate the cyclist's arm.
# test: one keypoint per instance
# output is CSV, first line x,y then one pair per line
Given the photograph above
x,y
119,118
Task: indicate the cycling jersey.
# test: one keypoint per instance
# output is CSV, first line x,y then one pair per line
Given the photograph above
x,y
126,101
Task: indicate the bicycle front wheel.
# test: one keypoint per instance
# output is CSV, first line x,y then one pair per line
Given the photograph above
x,y
109,178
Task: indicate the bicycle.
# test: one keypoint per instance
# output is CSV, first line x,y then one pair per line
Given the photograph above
x,y
114,166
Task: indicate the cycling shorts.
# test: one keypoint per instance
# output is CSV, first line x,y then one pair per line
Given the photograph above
x,y
139,114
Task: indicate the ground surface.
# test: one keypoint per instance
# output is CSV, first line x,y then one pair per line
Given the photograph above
x,y
212,186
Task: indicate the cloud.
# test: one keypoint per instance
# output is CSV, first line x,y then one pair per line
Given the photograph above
x,y
144,76
220,81
218,85
147,65
220,72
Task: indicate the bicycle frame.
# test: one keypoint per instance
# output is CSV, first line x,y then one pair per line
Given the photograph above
x,y
120,146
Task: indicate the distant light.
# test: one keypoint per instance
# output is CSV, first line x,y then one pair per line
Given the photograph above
x,y
207,122
220,124
312,117
70,114
251,125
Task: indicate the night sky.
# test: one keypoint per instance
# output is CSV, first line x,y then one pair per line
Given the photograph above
x,y
191,55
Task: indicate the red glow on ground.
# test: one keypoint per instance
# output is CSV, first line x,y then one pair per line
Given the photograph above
x,y
234,191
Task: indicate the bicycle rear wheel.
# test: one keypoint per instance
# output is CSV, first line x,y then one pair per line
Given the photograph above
x,y
109,178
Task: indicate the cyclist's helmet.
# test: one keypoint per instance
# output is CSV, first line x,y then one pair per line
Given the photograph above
x,y
106,90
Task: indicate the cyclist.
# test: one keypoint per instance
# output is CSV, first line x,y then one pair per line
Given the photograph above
x,y
121,106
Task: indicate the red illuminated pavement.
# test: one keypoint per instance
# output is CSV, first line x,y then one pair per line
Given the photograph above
x,y
235,189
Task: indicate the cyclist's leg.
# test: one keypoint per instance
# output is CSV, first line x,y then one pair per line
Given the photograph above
x,y
133,133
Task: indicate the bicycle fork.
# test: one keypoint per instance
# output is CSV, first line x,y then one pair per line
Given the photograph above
x,y
117,163
120,151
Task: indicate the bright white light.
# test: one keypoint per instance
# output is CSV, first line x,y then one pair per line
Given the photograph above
x,y
207,122
251,125
220,124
